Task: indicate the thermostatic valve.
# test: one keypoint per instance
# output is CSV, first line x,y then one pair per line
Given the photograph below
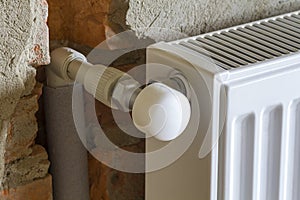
x,y
161,111
158,110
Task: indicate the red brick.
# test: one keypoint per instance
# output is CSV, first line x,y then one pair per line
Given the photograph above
x,y
110,184
66,20
40,189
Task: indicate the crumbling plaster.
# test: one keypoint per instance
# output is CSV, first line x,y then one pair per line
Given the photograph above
x,y
23,46
194,17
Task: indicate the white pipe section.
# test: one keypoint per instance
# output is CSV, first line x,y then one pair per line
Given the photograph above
x,y
158,110
67,154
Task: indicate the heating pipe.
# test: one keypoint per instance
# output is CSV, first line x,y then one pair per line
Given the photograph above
x,y
68,156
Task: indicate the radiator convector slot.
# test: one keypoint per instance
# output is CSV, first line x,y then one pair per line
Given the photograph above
x,y
249,44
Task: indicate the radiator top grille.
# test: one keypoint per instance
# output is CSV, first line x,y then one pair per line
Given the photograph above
x,y
249,44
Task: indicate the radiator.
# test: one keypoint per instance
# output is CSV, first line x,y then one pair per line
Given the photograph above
x,y
246,83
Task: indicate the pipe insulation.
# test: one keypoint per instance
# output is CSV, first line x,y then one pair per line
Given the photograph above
x,y
68,156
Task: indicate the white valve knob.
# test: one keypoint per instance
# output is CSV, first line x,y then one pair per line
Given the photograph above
x,y
161,111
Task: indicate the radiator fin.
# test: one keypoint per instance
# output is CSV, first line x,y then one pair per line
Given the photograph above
x,y
254,43
293,18
295,176
244,145
270,153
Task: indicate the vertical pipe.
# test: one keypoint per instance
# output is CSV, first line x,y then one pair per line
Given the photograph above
x,y
67,154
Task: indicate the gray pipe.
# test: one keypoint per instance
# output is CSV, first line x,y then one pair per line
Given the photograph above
x,y
68,157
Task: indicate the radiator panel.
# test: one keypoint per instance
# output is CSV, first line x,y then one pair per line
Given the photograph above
x,y
258,67
262,138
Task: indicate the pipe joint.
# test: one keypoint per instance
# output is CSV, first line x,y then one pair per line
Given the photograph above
x,y
61,59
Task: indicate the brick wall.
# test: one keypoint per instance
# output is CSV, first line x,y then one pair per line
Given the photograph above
x,y
23,47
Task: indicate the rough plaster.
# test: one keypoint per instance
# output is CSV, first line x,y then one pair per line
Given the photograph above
x,y
21,24
14,35
23,45
194,17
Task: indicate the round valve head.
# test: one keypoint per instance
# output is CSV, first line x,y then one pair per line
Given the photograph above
x,y
161,111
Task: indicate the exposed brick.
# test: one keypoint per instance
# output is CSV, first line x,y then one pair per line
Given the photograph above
x,y
107,183
22,127
66,20
110,184
39,189
27,169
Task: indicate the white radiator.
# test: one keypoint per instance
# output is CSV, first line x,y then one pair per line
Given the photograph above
x,y
246,82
